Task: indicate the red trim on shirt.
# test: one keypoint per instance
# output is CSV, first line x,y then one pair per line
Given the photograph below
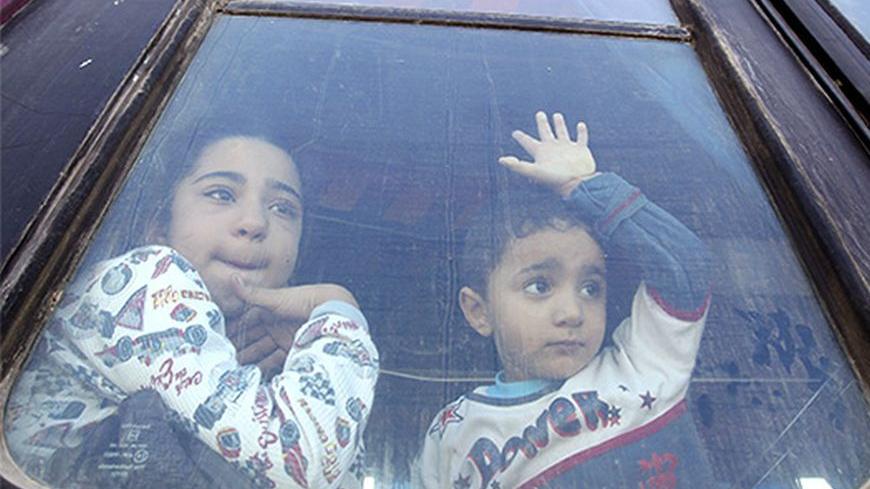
x,y
621,207
679,313
621,440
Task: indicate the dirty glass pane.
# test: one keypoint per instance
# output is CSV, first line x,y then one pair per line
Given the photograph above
x,y
858,13
647,11
396,131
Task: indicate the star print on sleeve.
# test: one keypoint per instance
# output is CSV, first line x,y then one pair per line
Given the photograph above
x,y
647,399
614,415
495,485
462,482
449,415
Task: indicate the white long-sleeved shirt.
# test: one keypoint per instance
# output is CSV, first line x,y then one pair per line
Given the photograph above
x,y
146,320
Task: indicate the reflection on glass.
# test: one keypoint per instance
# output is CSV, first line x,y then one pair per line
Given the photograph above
x,y
858,13
392,135
813,483
647,11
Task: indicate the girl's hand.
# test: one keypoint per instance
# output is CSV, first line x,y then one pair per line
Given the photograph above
x,y
291,303
265,333
560,163
262,339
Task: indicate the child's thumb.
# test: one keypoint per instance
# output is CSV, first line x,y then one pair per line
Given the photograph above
x,y
289,302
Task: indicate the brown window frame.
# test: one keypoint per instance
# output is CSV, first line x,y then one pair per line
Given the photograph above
x,y
761,79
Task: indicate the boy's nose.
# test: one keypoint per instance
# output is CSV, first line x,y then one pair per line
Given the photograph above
x,y
568,312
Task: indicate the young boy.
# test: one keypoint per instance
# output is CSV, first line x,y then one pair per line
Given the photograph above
x,y
155,318
565,412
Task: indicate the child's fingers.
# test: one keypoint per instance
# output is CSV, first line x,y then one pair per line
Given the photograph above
x,y
528,143
272,363
253,316
245,336
257,351
544,131
523,168
561,128
582,134
283,333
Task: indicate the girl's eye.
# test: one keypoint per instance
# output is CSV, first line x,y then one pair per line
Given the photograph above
x,y
591,289
220,194
285,208
538,287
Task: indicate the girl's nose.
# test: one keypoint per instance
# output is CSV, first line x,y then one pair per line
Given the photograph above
x,y
252,224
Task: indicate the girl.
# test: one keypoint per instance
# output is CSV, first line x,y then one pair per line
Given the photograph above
x,y
221,253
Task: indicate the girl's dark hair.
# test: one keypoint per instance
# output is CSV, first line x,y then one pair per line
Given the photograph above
x,y
519,210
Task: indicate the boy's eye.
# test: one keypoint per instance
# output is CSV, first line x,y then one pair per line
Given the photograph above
x,y
538,287
285,208
591,289
220,194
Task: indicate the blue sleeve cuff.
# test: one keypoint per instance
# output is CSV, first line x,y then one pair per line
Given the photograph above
x,y
607,200
342,309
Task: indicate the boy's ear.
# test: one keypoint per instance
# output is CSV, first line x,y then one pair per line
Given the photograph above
x,y
474,308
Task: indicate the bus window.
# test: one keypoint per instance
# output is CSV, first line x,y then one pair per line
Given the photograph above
x,y
370,153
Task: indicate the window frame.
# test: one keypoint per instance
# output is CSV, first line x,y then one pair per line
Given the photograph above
x,y
817,201
833,51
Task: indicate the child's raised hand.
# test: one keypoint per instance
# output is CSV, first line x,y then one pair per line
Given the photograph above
x,y
560,163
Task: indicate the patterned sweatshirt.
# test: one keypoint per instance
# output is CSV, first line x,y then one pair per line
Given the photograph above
x,y
146,320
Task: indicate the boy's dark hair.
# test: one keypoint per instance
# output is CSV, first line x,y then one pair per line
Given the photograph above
x,y
519,209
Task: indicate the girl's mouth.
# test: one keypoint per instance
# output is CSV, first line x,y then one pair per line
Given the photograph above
x,y
244,263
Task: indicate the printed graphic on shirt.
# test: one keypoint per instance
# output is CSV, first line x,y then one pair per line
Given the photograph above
x,y
142,254
312,332
303,364
356,408
63,410
163,265
231,385
148,347
584,411
169,296
354,351
182,313
229,443
449,415
295,463
318,387
342,431
156,322
116,278
89,320
215,319
131,314
256,466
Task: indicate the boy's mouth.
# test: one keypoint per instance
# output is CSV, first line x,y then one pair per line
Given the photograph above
x,y
565,346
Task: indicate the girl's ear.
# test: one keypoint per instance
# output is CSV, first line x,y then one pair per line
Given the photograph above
x,y
474,308
155,229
